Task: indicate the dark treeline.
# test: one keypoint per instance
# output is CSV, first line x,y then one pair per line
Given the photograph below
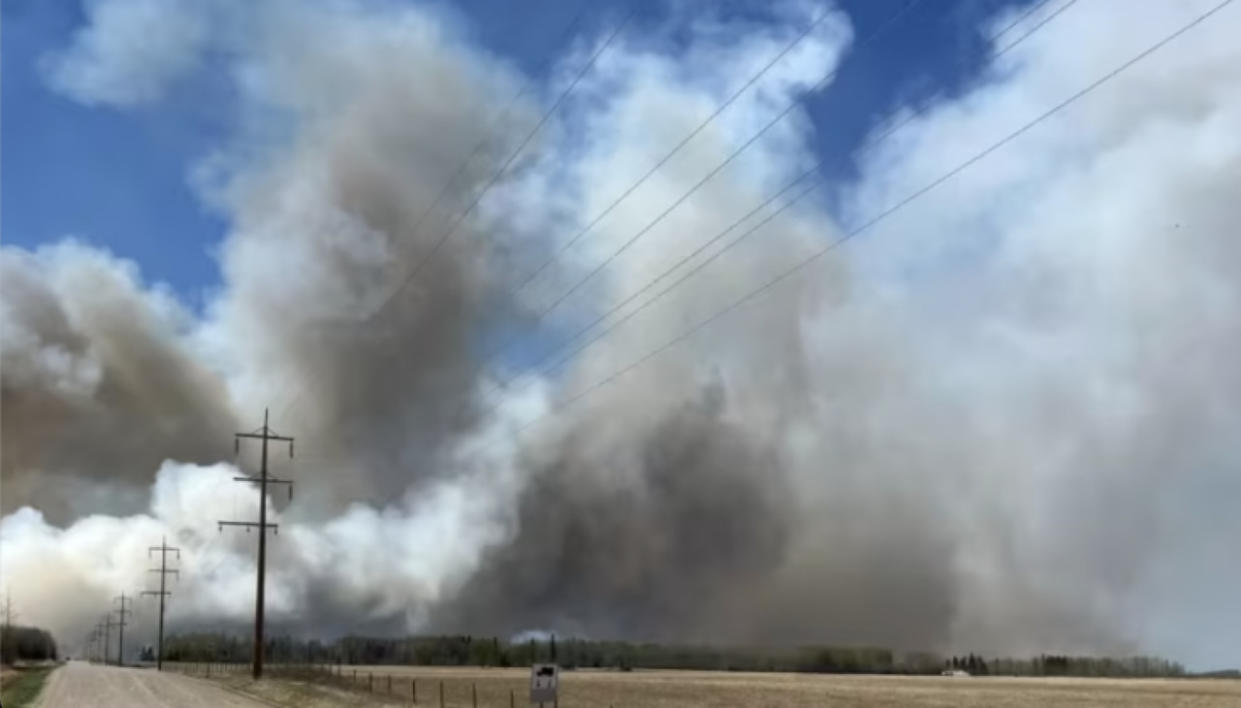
x,y
465,650
18,643
1061,665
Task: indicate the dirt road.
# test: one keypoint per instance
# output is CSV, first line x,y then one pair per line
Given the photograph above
x,y
81,684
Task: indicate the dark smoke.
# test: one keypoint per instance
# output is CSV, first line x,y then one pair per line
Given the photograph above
x,y
647,540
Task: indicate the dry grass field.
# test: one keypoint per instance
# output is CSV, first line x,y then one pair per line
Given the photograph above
x,y
697,689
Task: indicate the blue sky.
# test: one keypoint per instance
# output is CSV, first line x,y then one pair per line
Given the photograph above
x,y
120,179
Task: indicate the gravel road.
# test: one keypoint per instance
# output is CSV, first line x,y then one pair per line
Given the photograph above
x,y
79,684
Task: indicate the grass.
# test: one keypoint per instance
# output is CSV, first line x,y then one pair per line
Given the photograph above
x,y
703,689
23,688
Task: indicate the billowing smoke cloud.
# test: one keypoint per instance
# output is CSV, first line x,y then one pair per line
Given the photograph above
x,y
100,384
1001,421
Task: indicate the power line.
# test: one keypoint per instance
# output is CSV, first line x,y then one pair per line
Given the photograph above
x,y
265,434
162,593
1037,26
504,167
677,148
814,257
9,614
121,612
483,140
107,636
711,174
91,648
8,608
884,26
491,354
543,365
496,176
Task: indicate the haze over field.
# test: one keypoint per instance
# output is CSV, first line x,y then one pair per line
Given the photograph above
x,y
1001,420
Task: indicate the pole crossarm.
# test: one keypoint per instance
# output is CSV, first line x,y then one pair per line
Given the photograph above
x,y
256,480
164,571
253,524
122,611
264,434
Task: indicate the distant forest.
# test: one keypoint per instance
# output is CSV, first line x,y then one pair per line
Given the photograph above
x,y
465,650
18,643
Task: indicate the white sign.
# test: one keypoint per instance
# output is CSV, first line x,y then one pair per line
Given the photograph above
x,y
544,679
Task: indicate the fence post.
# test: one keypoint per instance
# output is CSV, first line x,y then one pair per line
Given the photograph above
x,y
355,675
413,690
474,694
370,681
389,684
441,693
511,699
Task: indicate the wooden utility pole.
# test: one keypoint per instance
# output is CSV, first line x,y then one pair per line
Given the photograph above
x,y
8,627
107,637
8,609
163,571
120,647
265,434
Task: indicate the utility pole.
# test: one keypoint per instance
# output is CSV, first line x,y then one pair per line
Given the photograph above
x,y
101,648
107,637
163,571
265,434
120,646
7,630
8,608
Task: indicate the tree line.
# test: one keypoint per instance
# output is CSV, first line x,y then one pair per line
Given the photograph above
x,y
18,643
1063,665
467,650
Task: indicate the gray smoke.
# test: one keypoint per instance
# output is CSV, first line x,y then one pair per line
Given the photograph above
x,y
98,387
999,422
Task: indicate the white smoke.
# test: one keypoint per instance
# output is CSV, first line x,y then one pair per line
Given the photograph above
x,y
130,51
999,421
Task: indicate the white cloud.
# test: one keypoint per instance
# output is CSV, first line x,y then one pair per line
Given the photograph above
x,y
131,51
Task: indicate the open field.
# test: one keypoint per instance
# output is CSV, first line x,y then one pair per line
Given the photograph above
x,y
698,689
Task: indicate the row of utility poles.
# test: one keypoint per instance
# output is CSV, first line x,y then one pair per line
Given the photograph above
x,y
99,640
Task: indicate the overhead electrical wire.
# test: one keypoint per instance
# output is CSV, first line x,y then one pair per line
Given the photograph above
x,y
793,104
542,367
677,148
469,157
814,257
495,177
488,356
493,352
500,118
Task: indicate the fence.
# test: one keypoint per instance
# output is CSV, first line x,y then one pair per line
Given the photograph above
x,y
416,690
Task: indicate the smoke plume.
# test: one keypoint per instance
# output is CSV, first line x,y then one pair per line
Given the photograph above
x,y
1001,420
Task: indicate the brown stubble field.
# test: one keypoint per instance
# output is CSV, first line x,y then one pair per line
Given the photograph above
x,y
701,689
